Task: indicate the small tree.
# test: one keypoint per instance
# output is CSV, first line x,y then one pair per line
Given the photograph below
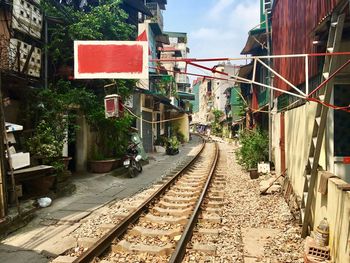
x,y
216,127
255,148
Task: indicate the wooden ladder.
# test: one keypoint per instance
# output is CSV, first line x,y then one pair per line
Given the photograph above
x,y
311,169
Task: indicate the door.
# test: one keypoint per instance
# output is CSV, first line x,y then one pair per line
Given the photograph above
x,y
282,144
147,136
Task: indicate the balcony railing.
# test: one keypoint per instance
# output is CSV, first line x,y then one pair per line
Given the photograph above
x,y
157,13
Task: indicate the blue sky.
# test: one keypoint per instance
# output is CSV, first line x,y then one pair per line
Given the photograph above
x,y
215,28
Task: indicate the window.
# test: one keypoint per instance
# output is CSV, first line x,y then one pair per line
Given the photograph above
x,y
341,121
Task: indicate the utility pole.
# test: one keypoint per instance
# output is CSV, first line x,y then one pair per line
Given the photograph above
x,y
3,206
269,77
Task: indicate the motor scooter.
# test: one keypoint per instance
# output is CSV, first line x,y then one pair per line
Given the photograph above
x,y
131,160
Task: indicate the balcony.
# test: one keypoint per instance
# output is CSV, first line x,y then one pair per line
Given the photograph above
x,y
157,14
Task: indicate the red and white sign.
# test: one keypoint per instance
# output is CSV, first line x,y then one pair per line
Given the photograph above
x,y
110,59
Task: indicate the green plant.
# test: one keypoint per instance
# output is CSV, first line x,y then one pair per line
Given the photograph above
x,y
255,148
216,127
173,143
46,142
161,141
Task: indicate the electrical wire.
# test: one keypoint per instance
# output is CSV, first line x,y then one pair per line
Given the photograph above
x,y
153,122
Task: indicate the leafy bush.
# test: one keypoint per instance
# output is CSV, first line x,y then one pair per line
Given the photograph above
x,y
173,143
45,143
255,148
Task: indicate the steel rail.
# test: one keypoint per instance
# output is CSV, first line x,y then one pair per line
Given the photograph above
x,y
180,249
104,243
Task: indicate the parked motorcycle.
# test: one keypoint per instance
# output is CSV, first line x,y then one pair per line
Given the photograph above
x,y
132,160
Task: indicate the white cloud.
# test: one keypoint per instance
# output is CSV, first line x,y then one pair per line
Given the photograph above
x,y
244,16
219,7
226,36
211,34
222,31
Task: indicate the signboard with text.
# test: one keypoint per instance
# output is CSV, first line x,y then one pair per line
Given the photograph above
x,y
111,59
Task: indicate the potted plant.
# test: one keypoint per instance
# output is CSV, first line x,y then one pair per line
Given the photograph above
x,y
111,139
99,163
160,144
254,150
172,146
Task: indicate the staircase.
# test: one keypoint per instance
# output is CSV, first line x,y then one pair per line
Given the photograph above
x,y
320,121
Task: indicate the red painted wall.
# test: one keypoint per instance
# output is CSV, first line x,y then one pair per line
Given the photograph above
x,y
292,24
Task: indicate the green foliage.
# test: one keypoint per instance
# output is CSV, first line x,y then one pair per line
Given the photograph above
x,y
166,86
59,104
46,143
175,131
216,127
107,21
173,143
255,148
161,141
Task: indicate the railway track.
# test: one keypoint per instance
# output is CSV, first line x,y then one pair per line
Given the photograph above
x,y
184,213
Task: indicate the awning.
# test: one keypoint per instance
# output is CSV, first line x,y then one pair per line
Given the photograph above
x,y
139,6
11,127
244,71
177,51
256,39
186,95
164,39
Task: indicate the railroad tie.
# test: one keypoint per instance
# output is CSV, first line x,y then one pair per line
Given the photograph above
x,y
210,217
206,248
209,231
173,212
182,220
172,198
142,231
172,205
125,246
215,204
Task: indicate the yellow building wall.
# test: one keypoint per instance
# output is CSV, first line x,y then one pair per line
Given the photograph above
x,y
298,128
335,206
276,137
184,125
